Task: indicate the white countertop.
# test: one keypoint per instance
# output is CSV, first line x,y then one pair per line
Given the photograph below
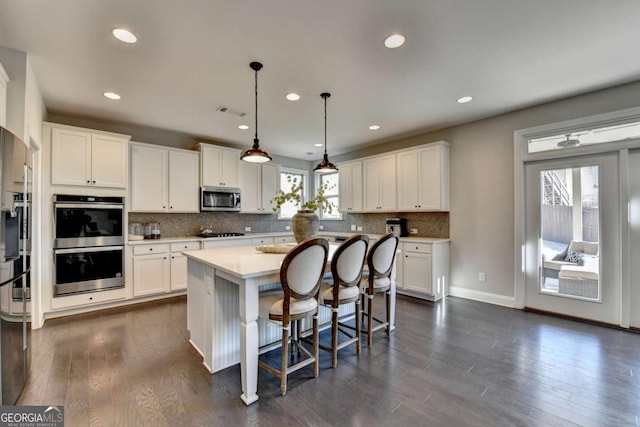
x,y
243,262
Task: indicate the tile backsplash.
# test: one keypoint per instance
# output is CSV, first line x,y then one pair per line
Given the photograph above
x,y
427,224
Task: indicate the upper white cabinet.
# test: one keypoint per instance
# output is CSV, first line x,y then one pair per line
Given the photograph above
x,y
350,187
164,179
219,166
4,79
258,185
88,158
423,178
379,183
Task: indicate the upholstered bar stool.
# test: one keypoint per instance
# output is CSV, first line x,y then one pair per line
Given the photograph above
x,y
380,265
346,270
300,275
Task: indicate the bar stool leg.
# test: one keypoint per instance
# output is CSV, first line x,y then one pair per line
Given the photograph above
x,y
370,320
285,361
387,299
316,347
358,326
334,336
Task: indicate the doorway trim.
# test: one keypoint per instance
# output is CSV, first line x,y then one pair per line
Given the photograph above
x,y
521,157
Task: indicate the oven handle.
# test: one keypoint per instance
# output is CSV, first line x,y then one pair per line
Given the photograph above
x,y
91,249
87,205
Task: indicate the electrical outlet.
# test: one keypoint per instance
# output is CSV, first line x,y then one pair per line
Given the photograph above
x,y
353,227
413,231
247,229
482,276
321,227
359,228
287,227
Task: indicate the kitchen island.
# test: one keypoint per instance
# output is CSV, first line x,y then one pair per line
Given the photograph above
x,y
223,288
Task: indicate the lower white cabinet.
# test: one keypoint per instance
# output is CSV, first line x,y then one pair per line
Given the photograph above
x,y
179,264
160,268
423,270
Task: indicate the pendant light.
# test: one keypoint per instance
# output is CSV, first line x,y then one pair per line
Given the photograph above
x,y
325,165
255,154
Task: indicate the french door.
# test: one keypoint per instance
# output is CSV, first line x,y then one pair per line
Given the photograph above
x,y
572,254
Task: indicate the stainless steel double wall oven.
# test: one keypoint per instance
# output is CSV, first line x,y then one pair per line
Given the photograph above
x,y
89,244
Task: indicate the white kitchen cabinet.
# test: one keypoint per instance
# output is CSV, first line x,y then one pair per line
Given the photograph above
x,y
219,166
160,267
4,80
423,178
262,241
151,269
379,183
258,185
164,179
87,158
423,270
179,264
350,187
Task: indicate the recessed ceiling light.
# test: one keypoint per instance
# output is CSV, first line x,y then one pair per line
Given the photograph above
x,y
394,41
317,145
464,99
243,127
111,95
292,96
374,127
123,35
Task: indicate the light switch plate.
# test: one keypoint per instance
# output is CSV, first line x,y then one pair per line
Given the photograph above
x,y
287,227
353,227
359,228
247,229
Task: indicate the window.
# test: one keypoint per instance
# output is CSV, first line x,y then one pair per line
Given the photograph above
x,y
330,180
287,178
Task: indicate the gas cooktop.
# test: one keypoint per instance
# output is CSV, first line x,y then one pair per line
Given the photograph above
x,y
220,234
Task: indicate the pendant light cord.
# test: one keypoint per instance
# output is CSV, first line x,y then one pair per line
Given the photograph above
x,y
325,126
255,139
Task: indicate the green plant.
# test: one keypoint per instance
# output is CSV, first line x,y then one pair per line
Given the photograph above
x,y
320,201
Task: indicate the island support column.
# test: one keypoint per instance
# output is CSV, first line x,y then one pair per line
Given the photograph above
x,y
249,341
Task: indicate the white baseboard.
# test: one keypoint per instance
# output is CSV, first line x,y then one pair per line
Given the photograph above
x,y
487,297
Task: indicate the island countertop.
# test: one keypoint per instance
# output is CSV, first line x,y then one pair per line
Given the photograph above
x,y
243,262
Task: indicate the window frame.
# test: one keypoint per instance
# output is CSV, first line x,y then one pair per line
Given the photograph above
x,y
305,190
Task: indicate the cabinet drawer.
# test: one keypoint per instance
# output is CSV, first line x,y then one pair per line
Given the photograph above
x,y
151,249
185,246
284,239
423,248
262,241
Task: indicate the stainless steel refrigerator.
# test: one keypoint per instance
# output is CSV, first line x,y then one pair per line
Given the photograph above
x,y
15,256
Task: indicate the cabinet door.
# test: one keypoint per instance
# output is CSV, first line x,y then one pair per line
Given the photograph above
x,y
108,161
408,181
371,185
178,271
70,157
249,177
270,184
149,178
183,181
387,176
350,187
432,182
416,274
151,274
211,165
230,160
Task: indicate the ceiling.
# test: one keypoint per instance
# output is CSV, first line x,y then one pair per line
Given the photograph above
x,y
193,56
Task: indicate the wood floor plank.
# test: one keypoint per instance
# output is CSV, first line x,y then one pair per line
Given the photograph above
x,y
456,362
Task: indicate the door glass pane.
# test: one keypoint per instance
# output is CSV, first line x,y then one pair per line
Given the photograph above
x,y
570,232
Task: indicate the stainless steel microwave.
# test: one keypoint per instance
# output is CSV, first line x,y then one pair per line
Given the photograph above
x,y
219,199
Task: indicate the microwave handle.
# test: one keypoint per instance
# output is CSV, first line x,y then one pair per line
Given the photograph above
x,y
236,200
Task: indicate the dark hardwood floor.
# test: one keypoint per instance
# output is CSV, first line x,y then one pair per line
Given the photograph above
x,y
452,363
